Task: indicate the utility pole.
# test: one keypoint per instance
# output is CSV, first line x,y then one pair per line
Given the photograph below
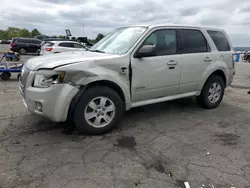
x,y
83,24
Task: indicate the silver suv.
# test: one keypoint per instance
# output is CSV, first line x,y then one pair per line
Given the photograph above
x,y
132,66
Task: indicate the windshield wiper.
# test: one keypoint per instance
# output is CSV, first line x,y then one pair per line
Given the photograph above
x,y
99,51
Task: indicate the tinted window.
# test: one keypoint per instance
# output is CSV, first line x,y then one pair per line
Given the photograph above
x,y
78,46
164,41
193,41
36,41
48,44
14,40
30,41
220,40
66,44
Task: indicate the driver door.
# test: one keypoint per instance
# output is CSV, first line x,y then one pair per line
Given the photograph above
x,y
158,75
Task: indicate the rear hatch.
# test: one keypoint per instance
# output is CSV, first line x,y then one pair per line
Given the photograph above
x,y
47,46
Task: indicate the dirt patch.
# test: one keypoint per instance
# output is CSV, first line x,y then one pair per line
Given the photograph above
x,y
127,142
228,139
157,165
224,124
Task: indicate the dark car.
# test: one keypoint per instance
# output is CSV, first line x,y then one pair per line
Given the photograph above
x,y
5,42
25,45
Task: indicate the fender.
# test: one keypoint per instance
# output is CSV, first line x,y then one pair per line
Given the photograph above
x,y
218,65
92,73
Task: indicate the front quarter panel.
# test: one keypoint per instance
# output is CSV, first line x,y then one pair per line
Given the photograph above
x,y
84,73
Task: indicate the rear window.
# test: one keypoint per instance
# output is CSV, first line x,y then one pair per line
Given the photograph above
x,y
193,41
220,40
14,40
48,44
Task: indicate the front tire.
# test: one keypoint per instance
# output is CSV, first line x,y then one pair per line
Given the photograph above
x,y
212,92
99,110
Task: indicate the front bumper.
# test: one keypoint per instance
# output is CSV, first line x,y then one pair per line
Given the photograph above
x,y
55,100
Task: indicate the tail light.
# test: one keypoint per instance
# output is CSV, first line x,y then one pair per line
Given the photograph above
x,y
48,49
12,44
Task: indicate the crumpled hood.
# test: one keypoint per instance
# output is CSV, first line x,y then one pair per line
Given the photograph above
x,y
65,58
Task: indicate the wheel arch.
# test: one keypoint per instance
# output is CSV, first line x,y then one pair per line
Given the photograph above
x,y
218,72
83,88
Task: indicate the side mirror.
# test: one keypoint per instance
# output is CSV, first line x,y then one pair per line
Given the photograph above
x,y
146,51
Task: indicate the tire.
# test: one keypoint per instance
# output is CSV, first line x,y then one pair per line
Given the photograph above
x,y
5,76
18,76
92,97
205,99
23,51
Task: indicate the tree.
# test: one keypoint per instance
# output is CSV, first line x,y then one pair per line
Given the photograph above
x,y
3,35
35,33
99,37
24,33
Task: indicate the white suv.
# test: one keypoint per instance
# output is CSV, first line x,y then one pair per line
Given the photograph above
x,y
53,47
130,67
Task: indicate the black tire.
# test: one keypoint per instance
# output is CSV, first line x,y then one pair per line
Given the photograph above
x,y
23,51
5,76
79,112
203,99
18,76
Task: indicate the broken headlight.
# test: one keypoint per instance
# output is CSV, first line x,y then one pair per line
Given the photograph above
x,y
46,78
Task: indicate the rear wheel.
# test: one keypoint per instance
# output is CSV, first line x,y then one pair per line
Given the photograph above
x,y
5,76
212,92
23,51
99,110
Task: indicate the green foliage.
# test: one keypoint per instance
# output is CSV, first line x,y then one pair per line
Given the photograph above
x,y
17,32
99,37
35,33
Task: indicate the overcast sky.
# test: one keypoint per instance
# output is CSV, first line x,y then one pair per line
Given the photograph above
x,y
52,17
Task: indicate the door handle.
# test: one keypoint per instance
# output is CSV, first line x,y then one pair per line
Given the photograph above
x,y
207,59
172,62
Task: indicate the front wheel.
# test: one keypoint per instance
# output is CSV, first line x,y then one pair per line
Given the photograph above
x,y
212,92
99,110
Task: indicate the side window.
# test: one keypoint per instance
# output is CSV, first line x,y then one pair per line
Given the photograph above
x,y
66,44
193,41
220,40
77,45
36,41
165,42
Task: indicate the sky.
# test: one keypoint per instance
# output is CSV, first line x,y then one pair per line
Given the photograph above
x,y
90,17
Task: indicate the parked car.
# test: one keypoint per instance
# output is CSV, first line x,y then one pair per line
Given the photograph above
x,y
5,42
52,47
132,66
25,45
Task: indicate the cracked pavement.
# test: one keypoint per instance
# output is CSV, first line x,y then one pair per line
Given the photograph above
x,y
156,146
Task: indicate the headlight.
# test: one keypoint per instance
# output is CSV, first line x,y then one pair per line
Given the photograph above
x,y
46,78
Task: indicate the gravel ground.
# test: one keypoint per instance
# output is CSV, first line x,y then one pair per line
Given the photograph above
x,y
157,146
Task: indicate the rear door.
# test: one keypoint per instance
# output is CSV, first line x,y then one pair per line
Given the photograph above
x,y
196,57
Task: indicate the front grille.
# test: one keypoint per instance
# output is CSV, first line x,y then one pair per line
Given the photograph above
x,y
24,77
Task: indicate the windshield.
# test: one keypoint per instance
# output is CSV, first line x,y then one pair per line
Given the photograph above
x,y
119,41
